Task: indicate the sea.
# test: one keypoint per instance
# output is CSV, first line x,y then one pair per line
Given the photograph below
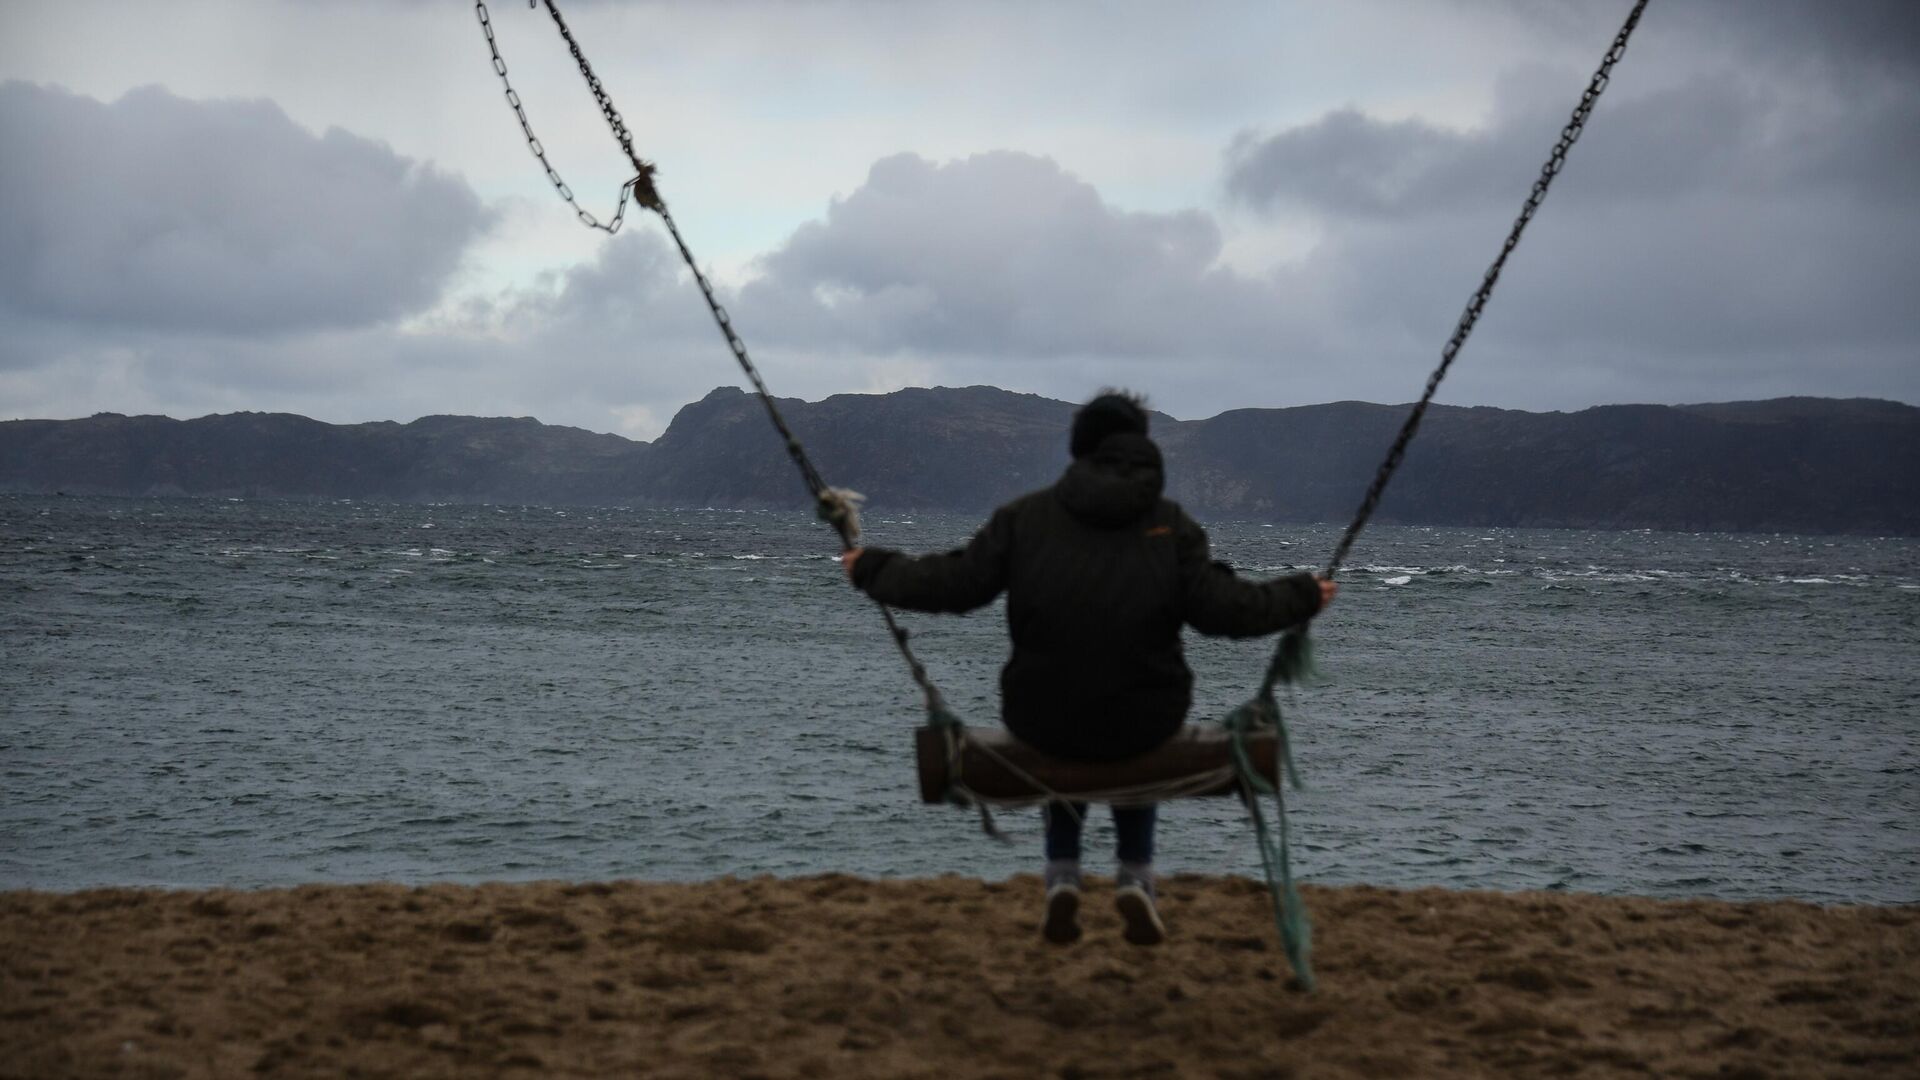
x,y
223,692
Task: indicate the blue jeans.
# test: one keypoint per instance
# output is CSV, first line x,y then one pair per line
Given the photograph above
x,y
1133,826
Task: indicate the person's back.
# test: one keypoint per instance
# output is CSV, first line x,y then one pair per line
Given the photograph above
x,y
1100,572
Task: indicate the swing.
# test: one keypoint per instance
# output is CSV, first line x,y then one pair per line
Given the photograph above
x,y
992,765
1246,750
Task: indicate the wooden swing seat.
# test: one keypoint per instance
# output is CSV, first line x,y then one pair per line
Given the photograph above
x,y
986,753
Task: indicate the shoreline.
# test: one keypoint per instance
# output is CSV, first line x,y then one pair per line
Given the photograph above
x,y
843,976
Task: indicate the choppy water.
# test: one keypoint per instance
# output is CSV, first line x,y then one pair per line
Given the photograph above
x,y
202,692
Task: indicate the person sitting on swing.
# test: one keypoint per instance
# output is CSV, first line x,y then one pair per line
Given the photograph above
x,y
1100,573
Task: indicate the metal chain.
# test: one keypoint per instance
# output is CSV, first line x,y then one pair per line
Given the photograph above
x,y
1555,162
642,182
648,196
1291,653
835,506
824,495
533,141
815,484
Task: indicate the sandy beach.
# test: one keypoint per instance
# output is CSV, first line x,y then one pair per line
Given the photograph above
x,y
846,977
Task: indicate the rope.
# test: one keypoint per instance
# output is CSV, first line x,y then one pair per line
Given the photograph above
x,y
838,507
1290,917
1292,661
954,734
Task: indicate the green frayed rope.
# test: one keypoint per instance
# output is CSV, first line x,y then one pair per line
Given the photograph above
x,y
944,720
1292,663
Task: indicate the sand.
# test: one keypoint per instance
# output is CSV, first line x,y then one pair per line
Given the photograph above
x,y
845,977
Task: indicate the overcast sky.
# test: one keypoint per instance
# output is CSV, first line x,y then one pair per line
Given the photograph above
x,y
325,206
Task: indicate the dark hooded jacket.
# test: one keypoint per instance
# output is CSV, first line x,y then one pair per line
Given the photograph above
x,y
1100,574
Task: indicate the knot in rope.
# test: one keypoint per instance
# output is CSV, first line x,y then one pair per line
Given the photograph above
x,y
840,508
642,189
1292,663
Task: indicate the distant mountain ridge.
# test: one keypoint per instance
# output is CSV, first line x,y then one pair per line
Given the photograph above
x,y
1789,464
268,455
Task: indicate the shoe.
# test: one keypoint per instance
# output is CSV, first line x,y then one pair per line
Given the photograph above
x,y
1133,897
1062,922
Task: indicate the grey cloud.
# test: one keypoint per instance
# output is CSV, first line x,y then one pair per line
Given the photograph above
x,y
1843,34
636,286
615,344
1347,162
1004,267
1723,231
1753,228
1002,253
1849,33
1846,31
1719,133
217,216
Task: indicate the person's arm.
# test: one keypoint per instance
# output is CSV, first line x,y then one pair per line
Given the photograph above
x,y
956,581
1218,602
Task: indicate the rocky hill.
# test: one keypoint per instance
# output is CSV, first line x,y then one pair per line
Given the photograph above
x,y
269,455
1791,464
